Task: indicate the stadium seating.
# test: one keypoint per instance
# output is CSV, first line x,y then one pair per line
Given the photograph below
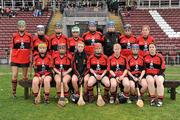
x,y
8,27
165,44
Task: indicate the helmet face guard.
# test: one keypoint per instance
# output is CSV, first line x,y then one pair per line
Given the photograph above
x,y
21,25
75,29
59,25
92,23
40,31
122,98
58,28
135,49
40,28
110,24
74,98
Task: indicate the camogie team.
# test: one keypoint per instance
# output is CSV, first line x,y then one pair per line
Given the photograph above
x,y
120,62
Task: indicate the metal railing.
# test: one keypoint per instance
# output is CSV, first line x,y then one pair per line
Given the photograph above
x,y
160,4
85,12
172,60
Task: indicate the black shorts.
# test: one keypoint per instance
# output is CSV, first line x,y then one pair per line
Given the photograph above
x,y
154,75
130,78
57,73
112,77
50,74
20,65
90,74
121,87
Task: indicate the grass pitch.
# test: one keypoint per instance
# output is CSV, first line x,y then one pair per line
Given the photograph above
x,y
20,109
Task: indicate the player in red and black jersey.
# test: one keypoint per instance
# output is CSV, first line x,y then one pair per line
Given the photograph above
x,y
57,38
127,40
91,37
42,67
20,53
80,69
117,67
110,38
144,40
97,64
74,39
155,67
39,38
136,71
62,65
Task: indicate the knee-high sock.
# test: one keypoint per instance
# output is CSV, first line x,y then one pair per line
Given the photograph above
x,y
14,86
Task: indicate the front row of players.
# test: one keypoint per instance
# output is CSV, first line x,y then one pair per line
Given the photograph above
x,y
113,73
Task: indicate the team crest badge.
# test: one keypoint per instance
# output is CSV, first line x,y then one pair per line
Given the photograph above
x,y
98,67
151,65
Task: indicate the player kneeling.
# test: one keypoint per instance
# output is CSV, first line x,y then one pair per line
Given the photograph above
x,y
80,70
155,67
136,72
97,64
62,68
117,67
42,67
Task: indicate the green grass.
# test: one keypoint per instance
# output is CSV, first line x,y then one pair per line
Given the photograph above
x,y
21,109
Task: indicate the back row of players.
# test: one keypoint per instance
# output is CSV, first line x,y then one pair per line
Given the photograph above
x,y
112,58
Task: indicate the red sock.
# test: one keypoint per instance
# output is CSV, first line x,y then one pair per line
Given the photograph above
x,y
14,86
152,97
142,94
66,94
90,90
25,78
113,94
160,98
58,94
106,91
35,94
126,94
46,96
77,92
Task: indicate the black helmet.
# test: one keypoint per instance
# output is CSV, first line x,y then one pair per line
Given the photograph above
x,y
122,98
74,98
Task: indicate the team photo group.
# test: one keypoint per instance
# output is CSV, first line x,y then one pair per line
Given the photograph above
x,y
125,66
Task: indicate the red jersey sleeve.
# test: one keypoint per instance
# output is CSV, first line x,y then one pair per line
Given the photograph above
x,y
153,40
102,38
50,62
109,63
136,41
33,41
89,62
163,66
84,35
49,42
31,44
127,62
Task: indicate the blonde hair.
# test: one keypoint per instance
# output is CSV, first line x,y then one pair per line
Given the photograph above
x,y
117,45
81,42
42,45
146,26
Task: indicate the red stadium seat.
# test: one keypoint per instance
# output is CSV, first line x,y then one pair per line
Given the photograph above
x,y
8,27
138,18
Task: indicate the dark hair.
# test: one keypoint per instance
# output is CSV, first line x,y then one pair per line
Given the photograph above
x,y
152,44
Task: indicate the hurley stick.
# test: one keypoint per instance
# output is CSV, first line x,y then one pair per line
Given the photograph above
x,y
100,101
61,100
